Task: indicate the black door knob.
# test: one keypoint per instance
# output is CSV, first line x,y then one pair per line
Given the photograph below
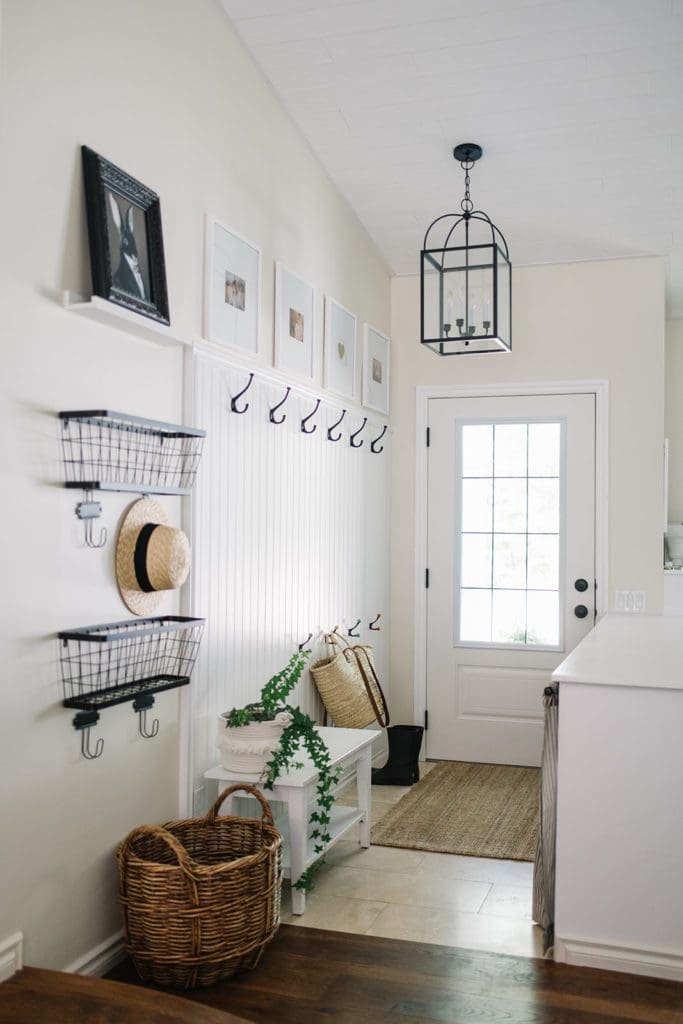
x,y
581,611
581,585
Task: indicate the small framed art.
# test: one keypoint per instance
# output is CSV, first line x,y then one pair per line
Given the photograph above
x,y
126,242
294,323
340,349
375,370
233,275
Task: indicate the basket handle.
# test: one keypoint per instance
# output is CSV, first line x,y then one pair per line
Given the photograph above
x,y
252,791
182,856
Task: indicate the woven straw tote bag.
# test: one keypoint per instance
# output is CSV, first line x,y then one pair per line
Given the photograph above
x,y
348,685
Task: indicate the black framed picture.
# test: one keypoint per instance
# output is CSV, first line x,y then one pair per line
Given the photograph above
x,y
126,241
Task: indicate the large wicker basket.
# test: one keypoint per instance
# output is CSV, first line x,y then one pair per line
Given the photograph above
x,y
201,897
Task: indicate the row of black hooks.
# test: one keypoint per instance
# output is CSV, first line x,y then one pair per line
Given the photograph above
x,y
84,721
351,631
305,429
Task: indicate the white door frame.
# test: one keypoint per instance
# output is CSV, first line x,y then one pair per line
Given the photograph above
x,y
599,388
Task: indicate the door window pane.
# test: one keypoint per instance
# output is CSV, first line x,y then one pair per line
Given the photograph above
x,y
509,617
509,567
543,617
475,615
476,560
510,449
477,504
543,562
544,505
477,449
509,560
510,506
544,449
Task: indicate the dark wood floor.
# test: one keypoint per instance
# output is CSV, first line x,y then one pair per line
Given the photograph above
x,y
309,976
34,996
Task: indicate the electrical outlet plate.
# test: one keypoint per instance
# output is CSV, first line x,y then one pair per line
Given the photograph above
x,y
629,601
11,955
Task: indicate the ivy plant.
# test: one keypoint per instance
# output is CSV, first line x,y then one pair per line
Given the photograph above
x,y
301,731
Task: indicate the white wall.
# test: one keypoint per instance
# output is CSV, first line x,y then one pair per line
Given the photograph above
x,y
673,426
602,320
165,90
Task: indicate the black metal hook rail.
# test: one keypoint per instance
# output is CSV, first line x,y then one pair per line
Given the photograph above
x,y
352,437
304,428
334,426
377,440
271,414
233,401
306,642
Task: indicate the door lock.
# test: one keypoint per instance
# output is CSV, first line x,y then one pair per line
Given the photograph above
x,y
581,611
581,585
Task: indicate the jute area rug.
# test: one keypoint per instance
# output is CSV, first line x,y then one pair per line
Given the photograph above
x,y
475,810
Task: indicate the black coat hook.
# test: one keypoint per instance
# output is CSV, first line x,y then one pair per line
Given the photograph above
x,y
84,721
304,428
309,637
271,414
330,429
354,627
376,619
233,401
142,705
379,438
352,438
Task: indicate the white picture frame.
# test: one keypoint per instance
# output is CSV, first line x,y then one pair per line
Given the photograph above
x,y
340,349
232,298
294,323
375,377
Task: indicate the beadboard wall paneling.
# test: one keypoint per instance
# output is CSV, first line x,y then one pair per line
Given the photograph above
x,y
290,536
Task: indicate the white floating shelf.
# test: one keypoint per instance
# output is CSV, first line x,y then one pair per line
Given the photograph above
x,y
122,319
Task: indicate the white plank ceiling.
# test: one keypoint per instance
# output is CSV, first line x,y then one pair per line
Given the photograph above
x,y
578,105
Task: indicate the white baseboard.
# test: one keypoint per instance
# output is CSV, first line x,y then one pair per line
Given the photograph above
x,y
11,955
101,959
628,959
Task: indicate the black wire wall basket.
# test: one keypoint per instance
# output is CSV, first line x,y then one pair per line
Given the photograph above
x,y
113,451
125,661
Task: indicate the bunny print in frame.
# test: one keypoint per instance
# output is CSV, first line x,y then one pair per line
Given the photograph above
x,y
126,242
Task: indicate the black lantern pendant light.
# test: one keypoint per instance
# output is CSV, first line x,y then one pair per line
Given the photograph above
x,y
466,295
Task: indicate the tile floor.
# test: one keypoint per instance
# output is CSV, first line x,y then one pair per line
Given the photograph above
x,y
471,902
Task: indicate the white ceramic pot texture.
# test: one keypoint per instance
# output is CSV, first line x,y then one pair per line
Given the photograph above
x,y
247,748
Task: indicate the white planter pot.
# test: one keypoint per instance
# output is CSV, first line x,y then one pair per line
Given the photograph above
x,y
246,749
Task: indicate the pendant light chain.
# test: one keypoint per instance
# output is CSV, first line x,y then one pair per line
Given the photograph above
x,y
466,204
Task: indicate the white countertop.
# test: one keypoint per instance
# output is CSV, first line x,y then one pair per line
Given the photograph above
x,y
628,650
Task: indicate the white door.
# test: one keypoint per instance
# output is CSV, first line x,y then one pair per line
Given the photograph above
x,y
511,566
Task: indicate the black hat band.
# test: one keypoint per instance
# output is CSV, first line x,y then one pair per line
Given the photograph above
x,y
140,558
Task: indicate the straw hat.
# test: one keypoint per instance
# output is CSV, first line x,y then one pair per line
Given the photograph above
x,y
151,556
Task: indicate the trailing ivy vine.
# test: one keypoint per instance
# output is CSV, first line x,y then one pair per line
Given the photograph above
x,y
300,731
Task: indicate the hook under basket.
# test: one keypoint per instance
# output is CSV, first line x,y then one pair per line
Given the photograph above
x,y
84,721
141,705
87,510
